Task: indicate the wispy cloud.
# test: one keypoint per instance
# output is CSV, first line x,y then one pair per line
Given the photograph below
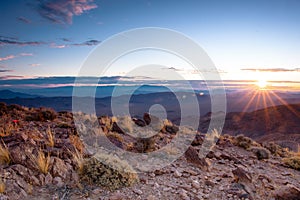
x,y
5,70
63,11
58,46
272,69
10,77
26,54
88,43
66,39
35,64
9,57
24,20
14,41
4,40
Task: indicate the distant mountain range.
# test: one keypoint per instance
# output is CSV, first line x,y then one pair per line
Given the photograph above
x,y
7,94
246,114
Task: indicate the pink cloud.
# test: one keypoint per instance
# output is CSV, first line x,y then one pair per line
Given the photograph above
x,y
7,57
63,11
58,46
35,64
26,54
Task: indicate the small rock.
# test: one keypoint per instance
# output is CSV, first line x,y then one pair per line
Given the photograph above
x,y
59,168
48,179
196,184
97,191
209,183
151,197
183,195
58,181
192,156
177,174
137,191
117,196
289,192
241,175
191,172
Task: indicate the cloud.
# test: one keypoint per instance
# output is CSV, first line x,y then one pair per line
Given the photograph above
x,y
5,70
5,40
66,39
10,77
88,43
58,46
26,54
272,69
14,41
24,20
7,57
63,11
34,64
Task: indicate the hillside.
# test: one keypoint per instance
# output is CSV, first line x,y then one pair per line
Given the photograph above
x,y
43,157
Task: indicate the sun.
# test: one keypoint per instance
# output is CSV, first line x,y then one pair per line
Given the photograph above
x,y
262,83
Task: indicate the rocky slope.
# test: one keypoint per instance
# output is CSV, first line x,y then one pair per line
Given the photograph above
x,y
43,158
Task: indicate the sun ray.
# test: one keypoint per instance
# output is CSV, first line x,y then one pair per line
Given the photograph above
x,y
266,111
286,104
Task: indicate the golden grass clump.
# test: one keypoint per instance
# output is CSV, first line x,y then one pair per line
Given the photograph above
x,y
7,129
43,162
50,137
2,186
292,162
79,160
77,143
4,155
125,123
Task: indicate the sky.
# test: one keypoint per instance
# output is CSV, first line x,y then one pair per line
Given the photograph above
x,y
246,40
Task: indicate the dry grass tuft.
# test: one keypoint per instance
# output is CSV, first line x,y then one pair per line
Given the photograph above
x,y
79,160
77,143
2,187
7,129
4,155
50,137
125,123
43,162
292,162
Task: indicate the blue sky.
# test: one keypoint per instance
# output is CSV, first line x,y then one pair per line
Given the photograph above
x,y
53,38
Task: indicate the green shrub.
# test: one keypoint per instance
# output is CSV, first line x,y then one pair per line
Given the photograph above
x,y
111,172
261,153
276,149
243,141
42,114
292,162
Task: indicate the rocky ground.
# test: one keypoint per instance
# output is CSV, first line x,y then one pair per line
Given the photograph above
x,y
42,157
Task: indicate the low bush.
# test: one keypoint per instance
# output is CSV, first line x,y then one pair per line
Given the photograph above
x,y
4,155
276,149
261,152
111,172
242,141
292,162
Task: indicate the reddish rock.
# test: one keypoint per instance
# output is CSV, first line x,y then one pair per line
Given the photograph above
x,y
289,192
192,156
